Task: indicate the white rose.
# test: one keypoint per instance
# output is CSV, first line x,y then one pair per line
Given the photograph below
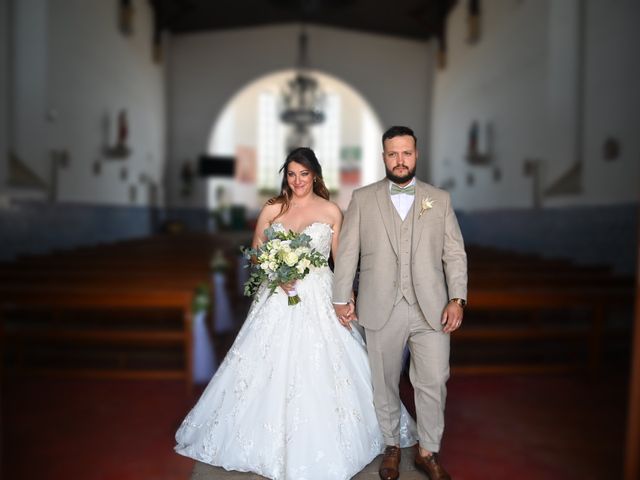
x,y
290,258
304,263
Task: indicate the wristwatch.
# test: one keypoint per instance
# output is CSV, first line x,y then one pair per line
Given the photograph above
x,y
460,301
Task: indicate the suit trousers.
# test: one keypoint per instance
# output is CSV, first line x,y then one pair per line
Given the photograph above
x,y
429,372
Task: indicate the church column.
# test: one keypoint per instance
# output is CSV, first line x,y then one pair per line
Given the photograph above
x,y
28,84
5,72
632,454
565,86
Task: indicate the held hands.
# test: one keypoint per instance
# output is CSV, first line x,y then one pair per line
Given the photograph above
x,y
451,317
346,314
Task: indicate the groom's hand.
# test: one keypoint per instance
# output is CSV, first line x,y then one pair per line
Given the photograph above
x,y
452,317
345,313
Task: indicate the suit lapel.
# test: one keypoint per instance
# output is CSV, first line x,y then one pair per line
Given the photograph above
x,y
419,222
387,210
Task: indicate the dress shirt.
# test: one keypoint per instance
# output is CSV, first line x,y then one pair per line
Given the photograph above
x,y
402,201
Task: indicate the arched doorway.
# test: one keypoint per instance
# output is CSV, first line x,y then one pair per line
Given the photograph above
x,y
248,129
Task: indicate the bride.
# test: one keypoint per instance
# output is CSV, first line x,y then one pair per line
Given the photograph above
x,y
293,397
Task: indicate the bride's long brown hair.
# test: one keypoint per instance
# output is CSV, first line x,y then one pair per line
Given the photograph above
x,y
307,158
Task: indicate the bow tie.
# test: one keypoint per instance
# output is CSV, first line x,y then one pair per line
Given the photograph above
x,y
408,190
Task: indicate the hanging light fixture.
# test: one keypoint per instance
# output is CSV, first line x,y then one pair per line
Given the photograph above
x,y
302,101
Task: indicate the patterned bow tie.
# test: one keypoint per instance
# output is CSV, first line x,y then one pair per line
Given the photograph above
x,y
408,190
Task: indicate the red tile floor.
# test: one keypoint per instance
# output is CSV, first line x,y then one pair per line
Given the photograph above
x,y
498,427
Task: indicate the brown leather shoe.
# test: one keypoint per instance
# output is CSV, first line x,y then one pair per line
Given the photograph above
x,y
431,466
390,466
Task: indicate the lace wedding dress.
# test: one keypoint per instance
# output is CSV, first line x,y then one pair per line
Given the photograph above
x,y
293,397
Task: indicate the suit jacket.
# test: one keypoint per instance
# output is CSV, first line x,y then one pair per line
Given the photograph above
x,y
438,258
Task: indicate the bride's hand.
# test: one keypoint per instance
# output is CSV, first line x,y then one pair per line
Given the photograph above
x,y
346,314
287,287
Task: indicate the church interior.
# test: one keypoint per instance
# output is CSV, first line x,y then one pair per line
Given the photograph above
x,y
140,138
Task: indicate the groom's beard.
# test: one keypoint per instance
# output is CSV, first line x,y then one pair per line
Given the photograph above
x,y
399,179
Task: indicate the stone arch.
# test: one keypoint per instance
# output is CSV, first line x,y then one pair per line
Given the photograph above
x,y
224,139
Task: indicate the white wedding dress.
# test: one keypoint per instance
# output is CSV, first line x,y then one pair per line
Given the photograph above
x,y
293,397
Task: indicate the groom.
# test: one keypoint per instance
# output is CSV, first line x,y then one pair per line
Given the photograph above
x,y
412,290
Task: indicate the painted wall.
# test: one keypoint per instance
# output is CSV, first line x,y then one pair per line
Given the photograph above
x,y
553,80
207,69
73,72
35,227
588,235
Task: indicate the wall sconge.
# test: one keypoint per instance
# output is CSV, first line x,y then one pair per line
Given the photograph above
x,y
480,144
133,193
125,17
449,184
532,167
473,21
611,149
470,179
187,177
120,150
60,157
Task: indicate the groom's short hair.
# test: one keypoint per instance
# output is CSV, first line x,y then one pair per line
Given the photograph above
x,y
398,131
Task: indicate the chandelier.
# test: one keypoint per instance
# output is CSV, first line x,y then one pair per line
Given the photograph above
x,y
302,102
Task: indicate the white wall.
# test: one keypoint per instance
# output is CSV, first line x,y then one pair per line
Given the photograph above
x,y
207,69
527,78
73,70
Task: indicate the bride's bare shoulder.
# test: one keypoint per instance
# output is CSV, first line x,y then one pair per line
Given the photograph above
x,y
330,211
269,211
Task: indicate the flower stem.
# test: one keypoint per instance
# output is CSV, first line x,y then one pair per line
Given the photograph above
x,y
294,300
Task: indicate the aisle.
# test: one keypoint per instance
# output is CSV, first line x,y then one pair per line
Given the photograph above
x,y
498,427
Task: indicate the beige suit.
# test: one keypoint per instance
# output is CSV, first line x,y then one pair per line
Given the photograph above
x,y
438,271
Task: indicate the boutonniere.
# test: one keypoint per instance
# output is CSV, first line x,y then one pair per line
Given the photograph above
x,y
426,205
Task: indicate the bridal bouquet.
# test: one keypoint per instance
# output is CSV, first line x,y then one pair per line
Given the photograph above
x,y
284,257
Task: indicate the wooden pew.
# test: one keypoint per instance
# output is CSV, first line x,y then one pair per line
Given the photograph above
x,y
145,277
148,276
525,288
65,299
